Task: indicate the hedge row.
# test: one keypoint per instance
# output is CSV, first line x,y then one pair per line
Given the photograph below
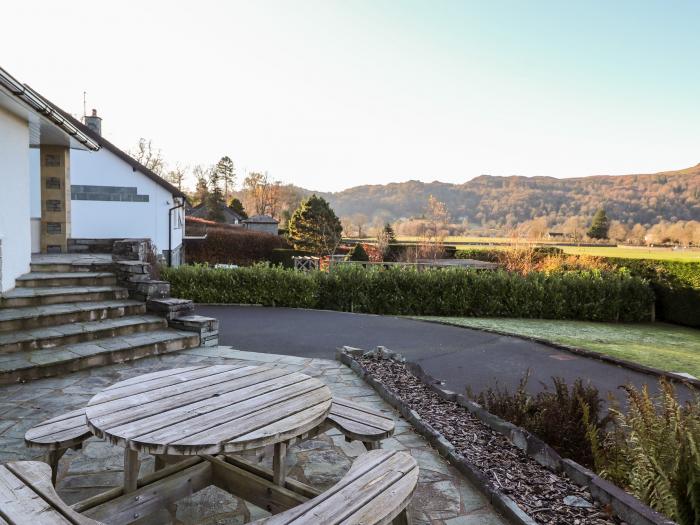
x,y
231,245
596,296
676,284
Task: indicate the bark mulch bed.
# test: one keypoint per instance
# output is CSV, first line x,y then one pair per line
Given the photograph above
x,y
538,491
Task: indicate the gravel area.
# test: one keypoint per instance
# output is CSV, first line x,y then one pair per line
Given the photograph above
x,y
547,497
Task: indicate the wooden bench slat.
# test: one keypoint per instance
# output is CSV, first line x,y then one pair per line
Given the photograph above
x,y
358,431
38,476
392,501
370,420
153,375
21,505
341,401
56,434
378,486
28,498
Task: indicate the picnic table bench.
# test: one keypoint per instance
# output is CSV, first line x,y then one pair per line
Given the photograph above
x,y
375,491
195,419
27,497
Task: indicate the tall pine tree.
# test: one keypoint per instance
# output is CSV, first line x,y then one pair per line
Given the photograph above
x,y
227,174
314,226
599,226
215,199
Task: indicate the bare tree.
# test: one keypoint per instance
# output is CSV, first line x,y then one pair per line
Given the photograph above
x,y
150,157
433,239
177,175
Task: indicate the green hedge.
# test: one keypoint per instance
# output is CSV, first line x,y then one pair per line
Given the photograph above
x,y
598,296
676,286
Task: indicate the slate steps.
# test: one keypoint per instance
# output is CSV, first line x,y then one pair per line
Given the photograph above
x,y
71,263
36,364
50,279
60,294
28,317
73,333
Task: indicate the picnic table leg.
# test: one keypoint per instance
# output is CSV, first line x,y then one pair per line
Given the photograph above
x,y
404,518
131,470
279,468
52,459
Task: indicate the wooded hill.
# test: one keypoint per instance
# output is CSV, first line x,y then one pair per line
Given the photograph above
x,y
502,201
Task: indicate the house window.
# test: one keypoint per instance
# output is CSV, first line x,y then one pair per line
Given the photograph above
x,y
53,227
53,183
178,220
52,160
53,205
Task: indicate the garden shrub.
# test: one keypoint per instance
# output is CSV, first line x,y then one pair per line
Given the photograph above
x,y
653,451
478,254
258,284
358,253
285,256
676,285
232,245
555,416
592,295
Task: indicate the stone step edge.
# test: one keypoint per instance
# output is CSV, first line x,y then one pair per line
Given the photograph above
x,y
29,312
108,293
188,340
94,330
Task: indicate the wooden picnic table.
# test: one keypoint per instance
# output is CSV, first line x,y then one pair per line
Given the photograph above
x,y
208,410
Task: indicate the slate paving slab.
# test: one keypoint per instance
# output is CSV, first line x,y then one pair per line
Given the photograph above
x,y
443,496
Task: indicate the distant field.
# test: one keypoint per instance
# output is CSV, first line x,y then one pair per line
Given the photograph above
x,y
630,252
665,346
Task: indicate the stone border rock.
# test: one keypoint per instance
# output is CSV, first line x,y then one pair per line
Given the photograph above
x,y
626,506
644,369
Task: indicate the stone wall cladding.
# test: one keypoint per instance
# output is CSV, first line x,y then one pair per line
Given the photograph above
x,y
206,327
626,506
81,192
91,245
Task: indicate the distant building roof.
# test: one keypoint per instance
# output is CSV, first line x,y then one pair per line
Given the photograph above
x,y
261,219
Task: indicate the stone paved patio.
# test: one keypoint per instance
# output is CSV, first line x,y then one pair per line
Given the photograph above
x,y
443,496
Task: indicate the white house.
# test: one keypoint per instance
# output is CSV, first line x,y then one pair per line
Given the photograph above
x,y
55,175
115,197
27,121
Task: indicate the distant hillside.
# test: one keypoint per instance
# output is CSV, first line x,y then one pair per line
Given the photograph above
x,y
498,201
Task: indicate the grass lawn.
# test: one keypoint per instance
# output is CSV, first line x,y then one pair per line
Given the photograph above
x,y
665,346
636,252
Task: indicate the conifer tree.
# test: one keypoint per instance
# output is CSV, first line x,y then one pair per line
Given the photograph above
x,y
599,225
314,226
237,206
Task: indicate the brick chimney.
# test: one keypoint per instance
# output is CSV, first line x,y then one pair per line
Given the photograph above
x,y
94,122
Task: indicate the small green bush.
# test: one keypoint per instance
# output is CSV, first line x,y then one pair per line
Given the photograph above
x,y
583,295
358,253
285,256
556,416
478,254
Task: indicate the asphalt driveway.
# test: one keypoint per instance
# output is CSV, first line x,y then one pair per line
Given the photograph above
x,y
459,356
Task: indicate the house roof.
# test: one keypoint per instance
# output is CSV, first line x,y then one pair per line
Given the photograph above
x,y
29,99
261,219
136,165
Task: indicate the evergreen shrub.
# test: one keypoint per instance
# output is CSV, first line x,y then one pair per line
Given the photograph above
x,y
585,295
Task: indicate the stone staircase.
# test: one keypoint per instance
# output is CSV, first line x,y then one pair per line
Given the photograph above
x,y
70,314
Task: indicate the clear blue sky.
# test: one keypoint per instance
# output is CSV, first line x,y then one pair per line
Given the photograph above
x,y
329,95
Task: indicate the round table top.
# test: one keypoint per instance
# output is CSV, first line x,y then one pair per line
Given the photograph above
x,y
208,409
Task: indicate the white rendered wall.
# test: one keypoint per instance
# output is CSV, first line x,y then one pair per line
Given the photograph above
x,y
15,236
116,219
